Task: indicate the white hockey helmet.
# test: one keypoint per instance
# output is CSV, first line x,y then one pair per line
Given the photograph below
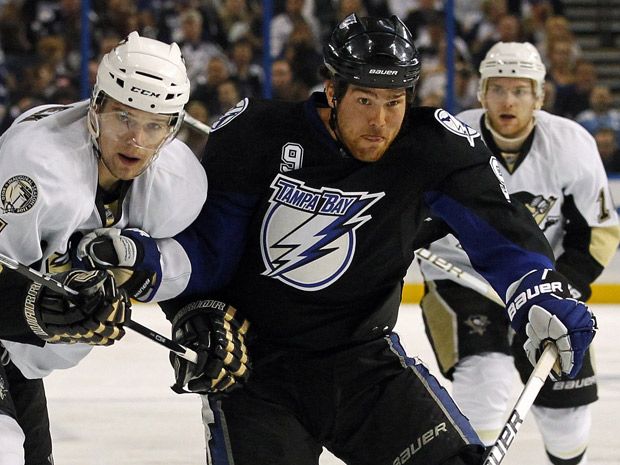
x,y
145,74
513,59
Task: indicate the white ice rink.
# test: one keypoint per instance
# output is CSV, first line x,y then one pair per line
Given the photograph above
x,y
115,408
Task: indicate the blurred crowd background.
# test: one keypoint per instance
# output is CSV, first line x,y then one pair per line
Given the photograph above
x,y
222,42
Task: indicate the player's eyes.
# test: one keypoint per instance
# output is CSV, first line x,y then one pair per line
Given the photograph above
x,y
364,101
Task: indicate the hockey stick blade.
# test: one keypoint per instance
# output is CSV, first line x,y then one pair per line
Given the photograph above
x,y
497,451
57,286
454,273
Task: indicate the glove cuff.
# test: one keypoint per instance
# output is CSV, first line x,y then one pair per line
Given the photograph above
x,y
201,306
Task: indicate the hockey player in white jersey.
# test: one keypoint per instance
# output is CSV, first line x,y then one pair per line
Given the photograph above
x,y
552,165
110,161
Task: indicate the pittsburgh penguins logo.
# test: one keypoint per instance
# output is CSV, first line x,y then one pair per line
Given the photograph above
x,y
18,194
540,207
477,324
456,126
230,114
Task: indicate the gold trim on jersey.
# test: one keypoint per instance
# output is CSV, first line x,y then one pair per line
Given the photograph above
x,y
604,243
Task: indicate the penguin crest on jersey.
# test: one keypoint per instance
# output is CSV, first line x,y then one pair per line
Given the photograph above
x,y
456,126
231,114
308,236
18,194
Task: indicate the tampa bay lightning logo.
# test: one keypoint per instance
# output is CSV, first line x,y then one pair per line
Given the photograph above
x,y
456,126
230,114
308,236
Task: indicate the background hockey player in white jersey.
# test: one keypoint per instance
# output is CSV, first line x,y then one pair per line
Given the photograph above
x,y
552,165
109,161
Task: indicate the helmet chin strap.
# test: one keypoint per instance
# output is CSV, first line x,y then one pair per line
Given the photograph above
x,y
333,125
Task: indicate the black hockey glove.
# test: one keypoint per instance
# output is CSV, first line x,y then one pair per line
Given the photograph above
x,y
131,254
94,316
217,333
540,304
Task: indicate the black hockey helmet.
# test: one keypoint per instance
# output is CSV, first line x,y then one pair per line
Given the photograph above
x,y
373,52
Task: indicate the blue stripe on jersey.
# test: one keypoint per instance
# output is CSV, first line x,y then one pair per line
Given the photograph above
x,y
498,259
217,444
215,241
459,421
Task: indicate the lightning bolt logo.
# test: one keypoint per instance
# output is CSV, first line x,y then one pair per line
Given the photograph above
x,y
308,235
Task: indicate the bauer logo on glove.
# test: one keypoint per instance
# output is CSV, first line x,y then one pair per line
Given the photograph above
x,y
540,304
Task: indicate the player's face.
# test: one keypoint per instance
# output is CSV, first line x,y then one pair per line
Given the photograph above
x,y
129,139
510,105
369,119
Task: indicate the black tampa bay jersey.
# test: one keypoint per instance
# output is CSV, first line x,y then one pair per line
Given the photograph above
x,y
312,245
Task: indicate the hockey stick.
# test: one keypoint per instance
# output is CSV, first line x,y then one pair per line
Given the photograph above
x,y
196,124
51,283
459,276
497,451
547,361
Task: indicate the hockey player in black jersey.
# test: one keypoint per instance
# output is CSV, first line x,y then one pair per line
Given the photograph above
x,y
314,212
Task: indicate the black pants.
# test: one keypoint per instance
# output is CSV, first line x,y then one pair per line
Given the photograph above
x,y
27,403
369,404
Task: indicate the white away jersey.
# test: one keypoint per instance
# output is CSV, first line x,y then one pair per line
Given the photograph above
x,y
48,184
561,180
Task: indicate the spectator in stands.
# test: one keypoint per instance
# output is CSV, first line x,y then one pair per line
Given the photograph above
x,y
557,28
601,113
534,20
238,19
247,74
419,18
195,140
196,50
508,29
574,98
217,71
283,83
562,59
282,25
607,143
301,53
486,28
228,96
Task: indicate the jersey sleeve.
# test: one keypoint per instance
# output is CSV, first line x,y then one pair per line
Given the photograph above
x,y
591,227
498,234
36,205
214,242
173,193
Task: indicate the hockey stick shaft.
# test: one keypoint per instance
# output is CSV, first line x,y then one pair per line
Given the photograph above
x,y
459,276
57,286
196,124
497,452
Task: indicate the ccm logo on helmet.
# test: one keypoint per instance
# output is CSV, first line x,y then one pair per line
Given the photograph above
x,y
387,72
148,93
